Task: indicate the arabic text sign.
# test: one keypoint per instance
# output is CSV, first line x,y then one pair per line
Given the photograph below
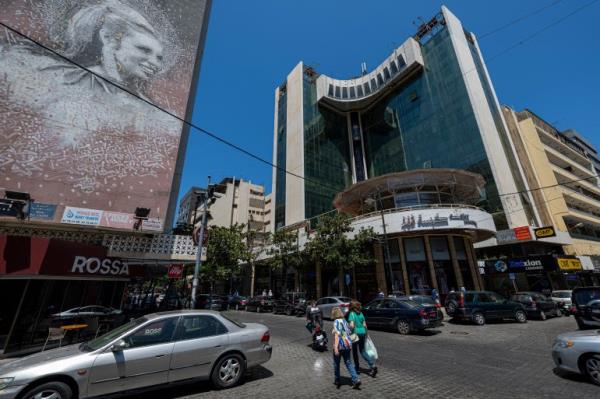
x,y
82,216
152,224
117,220
568,264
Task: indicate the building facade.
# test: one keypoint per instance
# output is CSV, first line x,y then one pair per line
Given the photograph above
x,y
430,105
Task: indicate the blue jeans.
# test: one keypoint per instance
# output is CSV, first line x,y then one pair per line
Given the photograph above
x,y
345,353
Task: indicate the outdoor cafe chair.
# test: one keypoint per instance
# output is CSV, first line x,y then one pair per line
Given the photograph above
x,y
54,334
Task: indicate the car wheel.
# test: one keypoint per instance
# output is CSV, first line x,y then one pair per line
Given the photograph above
x,y
542,315
403,327
451,308
54,390
592,368
228,371
580,323
521,317
478,318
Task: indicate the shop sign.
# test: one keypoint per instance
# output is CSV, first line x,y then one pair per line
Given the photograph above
x,y
568,264
117,220
504,236
175,271
530,264
98,266
544,232
7,208
152,224
522,233
41,211
83,216
525,265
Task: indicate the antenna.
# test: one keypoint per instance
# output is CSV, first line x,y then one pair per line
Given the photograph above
x,y
363,69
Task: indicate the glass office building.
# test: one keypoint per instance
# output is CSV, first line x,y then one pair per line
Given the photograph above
x,y
430,104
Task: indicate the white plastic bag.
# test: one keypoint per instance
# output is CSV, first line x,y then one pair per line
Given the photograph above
x,y
370,349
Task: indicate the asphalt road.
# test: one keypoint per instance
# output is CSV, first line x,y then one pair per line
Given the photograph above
x,y
499,360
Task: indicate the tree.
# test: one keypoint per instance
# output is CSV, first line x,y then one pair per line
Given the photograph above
x,y
225,249
255,244
285,252
336,246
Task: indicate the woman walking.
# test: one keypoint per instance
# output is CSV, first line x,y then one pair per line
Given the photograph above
x,y
342,347
358,325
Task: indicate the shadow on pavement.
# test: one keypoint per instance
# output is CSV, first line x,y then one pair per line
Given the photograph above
x,y
571,376
192,388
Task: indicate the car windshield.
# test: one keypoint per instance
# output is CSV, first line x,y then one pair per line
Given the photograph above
x,y
234,321
102,340
582,297
561,294
410,303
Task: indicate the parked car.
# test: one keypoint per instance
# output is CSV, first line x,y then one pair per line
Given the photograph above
x,y
403,315
154,350
237,302
211,302
297,300
425,301
537,305
87,311
327,304
260,304
563,299
282,306
479,306
586,303
578,352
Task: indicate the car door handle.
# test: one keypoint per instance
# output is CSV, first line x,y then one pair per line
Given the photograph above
x,y
160,355
218,346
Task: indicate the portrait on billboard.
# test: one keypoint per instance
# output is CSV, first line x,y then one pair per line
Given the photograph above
x,y
67,135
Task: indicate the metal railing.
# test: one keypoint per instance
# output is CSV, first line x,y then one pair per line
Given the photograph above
x,y
417,207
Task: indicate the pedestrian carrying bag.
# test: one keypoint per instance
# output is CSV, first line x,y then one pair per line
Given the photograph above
x,y
354,338
370,349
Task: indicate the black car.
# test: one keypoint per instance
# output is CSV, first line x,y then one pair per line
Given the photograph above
x,y
537,305
298,302
283,306
237,302
586,307
402,315
479,306
260,304
212,302
424,300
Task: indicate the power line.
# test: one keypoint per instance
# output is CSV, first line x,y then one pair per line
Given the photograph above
x,y
517,20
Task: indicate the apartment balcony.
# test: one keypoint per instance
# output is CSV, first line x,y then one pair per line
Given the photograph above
x,y
565,176
582,198
564,161
583,215
555,142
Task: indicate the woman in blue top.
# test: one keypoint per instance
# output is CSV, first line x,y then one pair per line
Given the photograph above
x,y
358,325
342,345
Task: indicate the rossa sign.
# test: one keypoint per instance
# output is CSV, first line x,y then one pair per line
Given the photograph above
x,y
84,265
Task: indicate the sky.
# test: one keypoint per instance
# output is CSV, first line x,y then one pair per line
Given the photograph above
x,y
251,46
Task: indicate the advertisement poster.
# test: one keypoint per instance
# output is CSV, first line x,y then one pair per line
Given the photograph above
x,y
69,137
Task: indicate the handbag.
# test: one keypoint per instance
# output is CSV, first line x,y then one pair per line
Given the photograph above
x,y
370,349
354,338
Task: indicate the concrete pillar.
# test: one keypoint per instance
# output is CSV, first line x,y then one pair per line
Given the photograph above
x,y
472,266
318,279
479,276
380,268
403,266
455,265
434,283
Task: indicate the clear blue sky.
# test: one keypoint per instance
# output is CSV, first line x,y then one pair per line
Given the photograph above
x,y
252,45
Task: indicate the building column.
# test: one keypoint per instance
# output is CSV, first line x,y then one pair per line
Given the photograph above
x,y
479,276
380,268
455,266
318,278
403,266
472,266
434,283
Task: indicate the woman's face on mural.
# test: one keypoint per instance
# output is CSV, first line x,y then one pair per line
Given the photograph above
x,y
139,56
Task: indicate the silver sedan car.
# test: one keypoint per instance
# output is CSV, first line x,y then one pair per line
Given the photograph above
x,y
156,349
578,352
326,304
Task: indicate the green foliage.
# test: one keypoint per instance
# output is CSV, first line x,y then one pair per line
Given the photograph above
x,y
226,248
333,245
284,251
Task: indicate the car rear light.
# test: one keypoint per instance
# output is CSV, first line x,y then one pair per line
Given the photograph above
x,y
266,337
573,309
461,301
344,305
423,313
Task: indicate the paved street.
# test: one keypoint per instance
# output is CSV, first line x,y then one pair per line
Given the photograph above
x,y
500,360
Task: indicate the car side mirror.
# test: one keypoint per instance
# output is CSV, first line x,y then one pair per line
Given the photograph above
x,y
119,346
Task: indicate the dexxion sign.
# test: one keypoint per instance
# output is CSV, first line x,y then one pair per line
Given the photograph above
x,y
115,267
